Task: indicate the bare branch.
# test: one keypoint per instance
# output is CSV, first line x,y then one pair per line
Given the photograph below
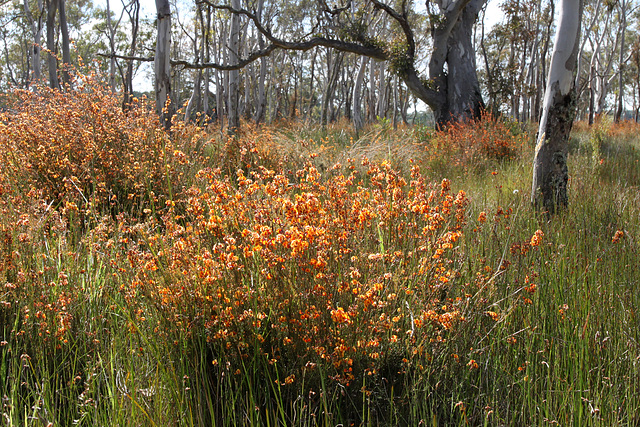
x,y
375,52
239,65
403,22
127,57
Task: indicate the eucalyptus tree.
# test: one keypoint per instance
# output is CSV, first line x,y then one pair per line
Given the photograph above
x,y
132,8
550,172
450,87
34,15
606,54
162,65
625,7
515,57
24,25
602,41
57,8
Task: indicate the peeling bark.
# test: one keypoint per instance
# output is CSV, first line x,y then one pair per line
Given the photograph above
x,y
550,172
162,64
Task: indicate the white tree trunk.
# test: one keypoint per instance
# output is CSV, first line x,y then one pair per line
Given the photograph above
x,y
162,64
356,112
550,173
371,101
234,75
623,29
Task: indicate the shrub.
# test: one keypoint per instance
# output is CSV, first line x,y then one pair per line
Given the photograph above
x,y
306,271
474,143
78,146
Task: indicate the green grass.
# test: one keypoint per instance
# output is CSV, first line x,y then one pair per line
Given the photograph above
x,y
565,354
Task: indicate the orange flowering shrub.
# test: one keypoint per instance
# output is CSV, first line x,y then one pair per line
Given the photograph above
x,y
625,130
309,269
472,141
33,242
80,147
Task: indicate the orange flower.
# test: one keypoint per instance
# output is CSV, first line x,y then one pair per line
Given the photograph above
x,y
536,239
340,316
616,237
493,315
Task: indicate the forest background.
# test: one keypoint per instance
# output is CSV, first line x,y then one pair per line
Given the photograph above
x,y
513,47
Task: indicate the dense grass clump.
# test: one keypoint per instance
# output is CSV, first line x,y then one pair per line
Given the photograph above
x,y
303,276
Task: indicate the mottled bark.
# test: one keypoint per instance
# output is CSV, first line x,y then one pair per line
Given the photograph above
x,y
550,172
234,75
162,67
456,93
464,98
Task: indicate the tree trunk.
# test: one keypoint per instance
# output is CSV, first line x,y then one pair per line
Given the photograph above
x,y
452,68
66,50
219,56
52,61
234,75
623,29
134,18
194,101
333,71
164,108
381,104
111,34
550,172
36,31
464,99
261,100
207,56
371,99
356,112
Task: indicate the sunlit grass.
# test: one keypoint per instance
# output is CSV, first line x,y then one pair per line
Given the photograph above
x,y
300,275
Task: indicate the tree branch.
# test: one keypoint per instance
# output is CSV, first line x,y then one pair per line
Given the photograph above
x,y
375,52
404,24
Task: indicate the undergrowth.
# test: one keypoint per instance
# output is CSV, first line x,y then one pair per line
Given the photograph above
x,y
308,277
